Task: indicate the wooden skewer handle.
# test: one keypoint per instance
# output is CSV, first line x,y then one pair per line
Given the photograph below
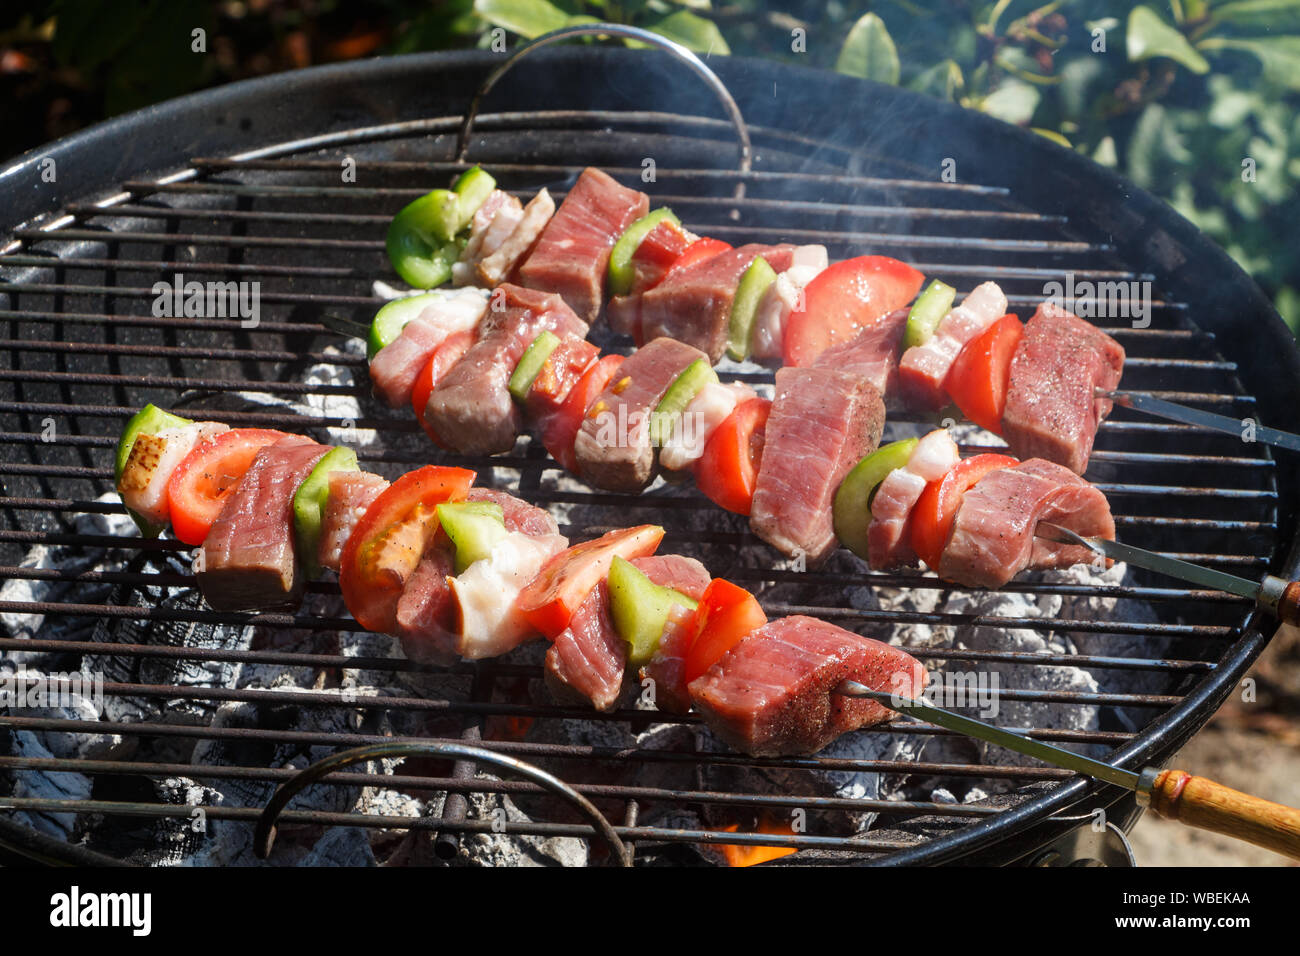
x,y
1288,608
1203,803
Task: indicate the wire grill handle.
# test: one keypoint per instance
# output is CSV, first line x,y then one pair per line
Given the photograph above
x,y
264,837
693,62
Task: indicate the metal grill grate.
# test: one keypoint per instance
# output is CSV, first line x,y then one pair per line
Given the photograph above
x,y
82,349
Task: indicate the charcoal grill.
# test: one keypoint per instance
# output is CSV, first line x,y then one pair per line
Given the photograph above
x,y
244,183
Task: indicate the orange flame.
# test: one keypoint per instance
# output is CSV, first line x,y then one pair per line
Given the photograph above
x,y
744,855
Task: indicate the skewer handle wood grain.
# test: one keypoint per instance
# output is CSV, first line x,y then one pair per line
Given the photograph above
x,y
1202,803
1288,607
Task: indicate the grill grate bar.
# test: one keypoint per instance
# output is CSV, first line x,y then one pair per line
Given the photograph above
x,y
307,271
536,751
513,787
103,649
220,187
347,624
688,174
325,818
775,576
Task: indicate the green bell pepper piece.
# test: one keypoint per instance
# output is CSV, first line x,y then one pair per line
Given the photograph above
x,y
389,321
744,307
309,503
927,312
621,274
851,510
684,388
640,608
474,527
531,362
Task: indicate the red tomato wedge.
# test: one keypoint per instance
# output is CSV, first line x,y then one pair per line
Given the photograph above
x,y
934,511
446,355
728,470
389,540
563,368
205,477
726,614
977,381
564,582
698,251
560,429
845,299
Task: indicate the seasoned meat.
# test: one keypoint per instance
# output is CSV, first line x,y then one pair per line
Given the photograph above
x,y
772,694
1052,411
822,423
992,537
873,355
427,613
493,223
396,366
518,514
249,561
351,493
668,666
782,297
693,305
500,264
613,447
587,660
572,253
923,368
471,409
889,534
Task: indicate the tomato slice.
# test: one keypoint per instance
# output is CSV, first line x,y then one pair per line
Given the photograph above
x,y
726,614
560,429
728,470
843,300
934,511
389,540
205,477
698,251
563,369
549,600
977,380
446,355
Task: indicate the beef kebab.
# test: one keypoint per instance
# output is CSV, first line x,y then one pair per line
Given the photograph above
x,y
610,426
1043,387
459,572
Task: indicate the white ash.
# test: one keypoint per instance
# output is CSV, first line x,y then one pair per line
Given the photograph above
x,y
39,784
513,849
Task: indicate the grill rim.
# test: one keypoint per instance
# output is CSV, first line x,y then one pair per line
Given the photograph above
x,y
264,97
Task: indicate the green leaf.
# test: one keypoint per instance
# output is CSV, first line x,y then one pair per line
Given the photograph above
x,y
1272,15
693,32
1279,56
528,18
1148,36
869,52
1013,102
942,80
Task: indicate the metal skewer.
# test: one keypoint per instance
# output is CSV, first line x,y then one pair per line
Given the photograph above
x,y
1278,596
1173,794
1195,416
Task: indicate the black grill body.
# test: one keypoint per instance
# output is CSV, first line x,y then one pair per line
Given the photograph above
x,y
243,182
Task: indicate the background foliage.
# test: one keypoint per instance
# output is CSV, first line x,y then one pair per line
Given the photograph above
x,y
1196,100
